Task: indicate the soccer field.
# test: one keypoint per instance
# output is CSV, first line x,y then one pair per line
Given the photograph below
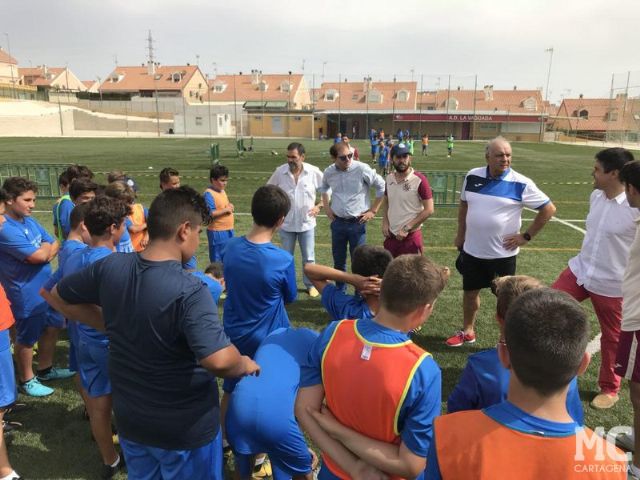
x,y
56,442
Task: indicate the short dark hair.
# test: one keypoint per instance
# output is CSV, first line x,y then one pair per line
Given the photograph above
x,y
121,191
630,174
174,207
218,171
81,185
215,269
167,173
613,158
102,212
268,205
63,179
370,260
546,332
77,215
3,195
296,146
77,171
411,281
16,186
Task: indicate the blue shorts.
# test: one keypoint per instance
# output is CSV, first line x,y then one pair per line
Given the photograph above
x,y
217,241
93,360
152,463
29,330
8,391
72,331
252,431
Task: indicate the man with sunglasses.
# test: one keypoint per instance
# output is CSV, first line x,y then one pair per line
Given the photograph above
x,y
349,182
408,202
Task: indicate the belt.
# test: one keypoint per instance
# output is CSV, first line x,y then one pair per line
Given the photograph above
x,y
349,219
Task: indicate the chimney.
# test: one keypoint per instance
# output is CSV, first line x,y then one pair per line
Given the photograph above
x,y
580,96
151,68
45,70
256,77
488,93
515,87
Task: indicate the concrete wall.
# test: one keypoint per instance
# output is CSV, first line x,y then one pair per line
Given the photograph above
x,y
45,125
89,121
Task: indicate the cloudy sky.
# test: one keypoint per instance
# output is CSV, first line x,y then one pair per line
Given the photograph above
x,y
503,42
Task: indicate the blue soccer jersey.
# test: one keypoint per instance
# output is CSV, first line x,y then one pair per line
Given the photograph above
x,y
340,305
77,262
62,215
214,287
485,382
270,426
260,279
19,239
68,247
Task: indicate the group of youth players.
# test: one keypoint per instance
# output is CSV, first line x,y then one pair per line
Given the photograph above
x,y
147,344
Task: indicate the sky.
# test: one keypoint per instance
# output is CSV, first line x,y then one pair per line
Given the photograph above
x,y
437,43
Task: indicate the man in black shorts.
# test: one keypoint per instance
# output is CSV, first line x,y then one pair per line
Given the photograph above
x,y
489,221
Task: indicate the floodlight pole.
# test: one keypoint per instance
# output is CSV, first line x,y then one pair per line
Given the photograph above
x,y
546,92
13,82
209,104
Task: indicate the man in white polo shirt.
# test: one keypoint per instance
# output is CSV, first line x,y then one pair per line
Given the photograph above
x,y
489,221
596,272
408,202
300,181
628,356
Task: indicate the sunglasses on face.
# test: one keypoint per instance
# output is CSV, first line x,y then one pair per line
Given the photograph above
x,y
404,155
344,158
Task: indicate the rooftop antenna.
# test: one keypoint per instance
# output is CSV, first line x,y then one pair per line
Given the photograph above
x,y
150,48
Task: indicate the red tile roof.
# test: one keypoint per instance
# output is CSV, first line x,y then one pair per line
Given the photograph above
x,y
513,101
592,114
6,58
135,79
352,96
36,75
247,88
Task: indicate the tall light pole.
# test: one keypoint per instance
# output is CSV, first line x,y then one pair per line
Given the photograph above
x,y
100,91
323,65
13,82
208,103
550,52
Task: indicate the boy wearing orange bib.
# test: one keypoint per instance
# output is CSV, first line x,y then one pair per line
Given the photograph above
x,y
530,435
220,230
382,391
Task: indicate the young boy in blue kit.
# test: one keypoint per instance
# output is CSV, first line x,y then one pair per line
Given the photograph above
x,y
166,344
8,390
530,435
368,265
64,205
484,381
26,249
104,219
382,391
213,278
269,425
220,230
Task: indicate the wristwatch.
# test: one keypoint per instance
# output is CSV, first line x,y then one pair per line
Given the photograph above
x,y
526,236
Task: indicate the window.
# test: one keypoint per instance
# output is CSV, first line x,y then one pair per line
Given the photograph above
x,y
297,118
374,96
285,87
219,88
257,117
452,104
198,120
529,104
402,96
355,96
583,113
330,95
262,86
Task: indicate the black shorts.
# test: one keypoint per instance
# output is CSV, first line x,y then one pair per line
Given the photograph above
x,y
478,273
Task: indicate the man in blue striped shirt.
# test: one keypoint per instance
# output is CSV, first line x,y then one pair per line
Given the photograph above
x,y
349,182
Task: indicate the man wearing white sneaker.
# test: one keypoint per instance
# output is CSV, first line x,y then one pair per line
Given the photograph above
x,y
300,181
596,272
489,221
